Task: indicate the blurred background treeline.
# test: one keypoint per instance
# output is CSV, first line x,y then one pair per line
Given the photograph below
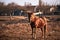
x,y
15,9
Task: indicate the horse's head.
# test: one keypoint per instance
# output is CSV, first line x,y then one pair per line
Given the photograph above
x,y
33,18
29,15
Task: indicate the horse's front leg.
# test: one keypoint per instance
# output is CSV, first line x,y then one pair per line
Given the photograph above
x,y
35,33
32,32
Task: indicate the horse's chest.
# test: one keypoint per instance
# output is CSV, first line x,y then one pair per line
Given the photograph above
x,y
32,24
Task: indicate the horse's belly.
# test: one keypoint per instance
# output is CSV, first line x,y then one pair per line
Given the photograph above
x,y
39,23
39,26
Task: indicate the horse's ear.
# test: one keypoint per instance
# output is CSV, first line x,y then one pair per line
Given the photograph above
x,y
30,13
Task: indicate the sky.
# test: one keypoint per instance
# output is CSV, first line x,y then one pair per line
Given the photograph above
x,y
33,2
52,2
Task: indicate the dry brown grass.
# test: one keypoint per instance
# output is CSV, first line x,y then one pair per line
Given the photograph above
x,y
17,30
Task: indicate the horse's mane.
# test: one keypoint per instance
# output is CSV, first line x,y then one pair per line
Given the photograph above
x,y
33,18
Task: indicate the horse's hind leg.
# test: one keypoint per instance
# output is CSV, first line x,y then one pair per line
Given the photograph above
x,y
45,31
42,32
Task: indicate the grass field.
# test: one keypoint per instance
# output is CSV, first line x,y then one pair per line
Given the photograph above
x,y
21,30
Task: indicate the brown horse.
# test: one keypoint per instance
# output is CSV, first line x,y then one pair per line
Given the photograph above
x,y
37,22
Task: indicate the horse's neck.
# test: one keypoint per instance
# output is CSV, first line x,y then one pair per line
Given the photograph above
x,y
33,18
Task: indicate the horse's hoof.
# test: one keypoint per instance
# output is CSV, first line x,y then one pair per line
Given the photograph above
x,y
42,37
46,36
35,38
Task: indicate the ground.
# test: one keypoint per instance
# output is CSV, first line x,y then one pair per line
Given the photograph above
x,y
21,30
